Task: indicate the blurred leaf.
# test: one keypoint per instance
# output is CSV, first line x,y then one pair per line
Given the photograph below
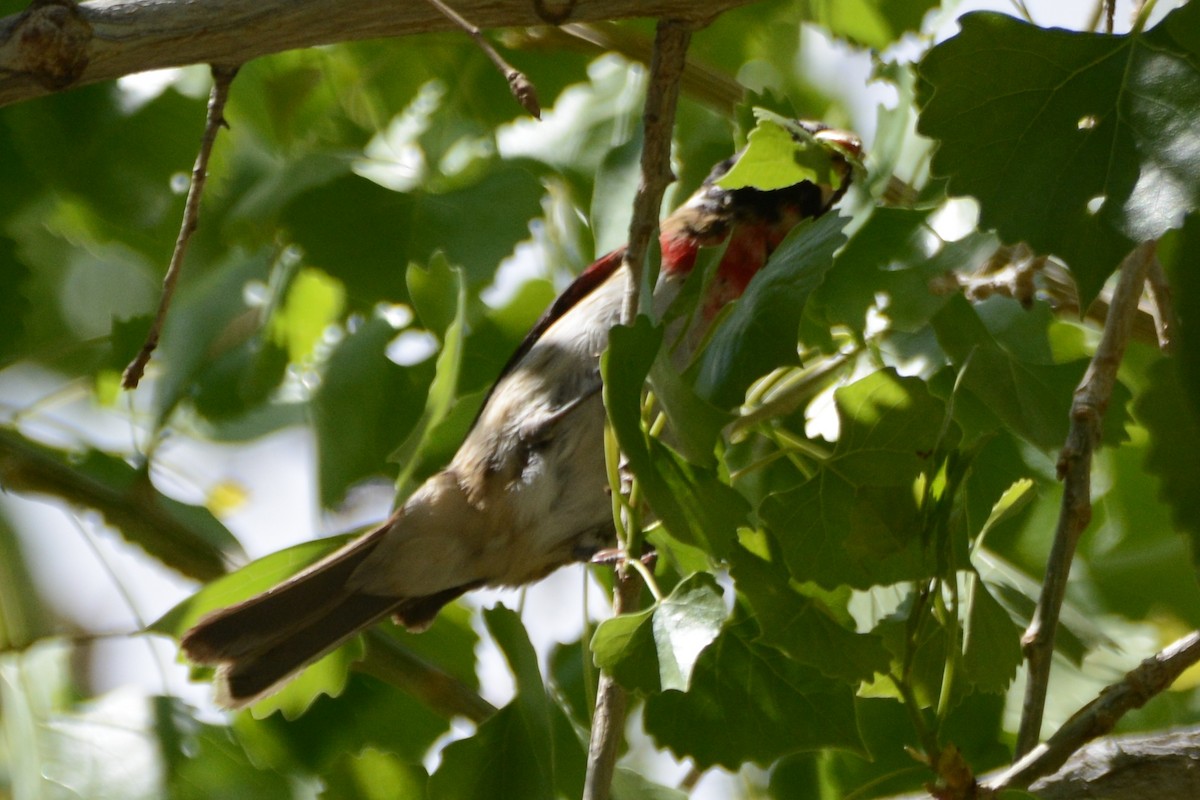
x,y
373,775
760,332
201,760
313,301
1167,411
861,268
748,702
255,577
874,23
1023,116
13,303
22,618
856,521
441,281
629,785
364,407
183,537
801,627
212,337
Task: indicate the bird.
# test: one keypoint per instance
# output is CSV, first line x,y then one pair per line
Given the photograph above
x,y
527,492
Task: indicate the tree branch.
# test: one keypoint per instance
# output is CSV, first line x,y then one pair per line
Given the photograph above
x,y
1074,469
55,44
666,66
1098,717
213,122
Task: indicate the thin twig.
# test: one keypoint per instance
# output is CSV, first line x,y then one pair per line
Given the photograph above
x,y
1110,10
521,87
666,67
1098,717
608,721
1074,469
214,121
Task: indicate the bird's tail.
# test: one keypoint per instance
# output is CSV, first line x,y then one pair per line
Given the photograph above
x,y
257,644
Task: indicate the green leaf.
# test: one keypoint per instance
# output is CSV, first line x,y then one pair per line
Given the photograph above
x,y
656,649
13,303
1031,396
373,775
685,623
856,521
1042,125
624,647
22,618
693,503
801,626
780,155
991,640
520,736
210,337
365,405
1167,411
749,702
255,577
760,333
874,23
443,281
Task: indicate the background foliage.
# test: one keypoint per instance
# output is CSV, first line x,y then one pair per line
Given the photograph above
x,y
850,543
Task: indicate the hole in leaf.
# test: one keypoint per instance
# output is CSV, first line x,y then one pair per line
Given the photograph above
x,y
1087,122
1096,203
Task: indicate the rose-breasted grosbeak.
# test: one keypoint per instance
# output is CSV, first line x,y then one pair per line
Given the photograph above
x,y
526,491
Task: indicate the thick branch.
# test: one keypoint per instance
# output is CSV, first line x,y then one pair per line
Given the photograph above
x,y
1074,468
55,45
1098,717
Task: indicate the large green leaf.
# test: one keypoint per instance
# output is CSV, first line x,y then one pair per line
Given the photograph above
x,y
856,521
801,626
1025,391
749,702
521,736
1080,144
760,332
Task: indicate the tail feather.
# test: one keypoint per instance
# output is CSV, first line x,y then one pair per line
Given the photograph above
x,y
243,680
260,623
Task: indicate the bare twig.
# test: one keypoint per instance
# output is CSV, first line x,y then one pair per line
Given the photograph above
x,y
521,87
700,81
50,47
666,67
1098,717
215,120
608,721
1074,469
